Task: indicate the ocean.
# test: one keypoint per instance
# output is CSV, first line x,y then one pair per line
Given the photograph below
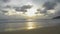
x,y
15,25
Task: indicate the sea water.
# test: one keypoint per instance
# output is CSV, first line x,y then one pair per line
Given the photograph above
x,y
21,24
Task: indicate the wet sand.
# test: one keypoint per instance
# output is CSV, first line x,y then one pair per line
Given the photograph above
x,y
44,30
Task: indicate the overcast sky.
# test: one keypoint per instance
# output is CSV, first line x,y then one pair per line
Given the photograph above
x,y
50,8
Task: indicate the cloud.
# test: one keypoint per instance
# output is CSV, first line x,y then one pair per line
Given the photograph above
x,y
49,5
38,2
23,8
11,4
3,3
8,8
57,10
42,10
6,1
20,6
26,7
57,1
4,11
2,16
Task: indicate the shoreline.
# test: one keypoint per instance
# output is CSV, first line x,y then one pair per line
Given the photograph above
x,y
44,30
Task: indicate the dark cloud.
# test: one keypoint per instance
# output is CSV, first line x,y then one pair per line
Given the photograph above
x,y
26,7
42,11
57,13
46,5
20,10
23,8
49,5
57,1
6,0
4,11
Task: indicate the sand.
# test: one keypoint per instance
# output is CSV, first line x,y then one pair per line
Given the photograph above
x,y
44,30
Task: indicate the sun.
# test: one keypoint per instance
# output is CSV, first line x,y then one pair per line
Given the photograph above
x,y
30,12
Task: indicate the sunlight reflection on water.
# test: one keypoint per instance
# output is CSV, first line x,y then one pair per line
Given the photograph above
x,y
27,25
19,26
31,25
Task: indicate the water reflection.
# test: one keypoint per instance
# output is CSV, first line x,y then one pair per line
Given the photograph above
x,y
20,26
14,26
28,25
31,25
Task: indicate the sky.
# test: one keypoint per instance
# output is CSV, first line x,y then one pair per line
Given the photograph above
x,y
17,9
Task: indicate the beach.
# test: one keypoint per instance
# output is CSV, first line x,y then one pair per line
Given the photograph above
x,y
37,27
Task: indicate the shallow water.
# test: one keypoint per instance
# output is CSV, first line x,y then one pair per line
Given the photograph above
x,y
11,26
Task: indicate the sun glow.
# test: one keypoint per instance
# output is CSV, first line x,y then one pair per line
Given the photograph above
x,y
31,25
30,12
